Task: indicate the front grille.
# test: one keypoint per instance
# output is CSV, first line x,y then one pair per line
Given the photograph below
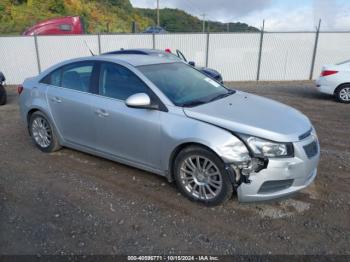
x,y
275,185
311,149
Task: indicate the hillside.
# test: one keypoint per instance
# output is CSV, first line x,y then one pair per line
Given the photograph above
x,y
175,20
101,16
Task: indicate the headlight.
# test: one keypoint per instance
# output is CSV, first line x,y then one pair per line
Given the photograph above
x,y
268,148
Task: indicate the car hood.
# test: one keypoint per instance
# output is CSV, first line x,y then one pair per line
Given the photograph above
x,y
253,115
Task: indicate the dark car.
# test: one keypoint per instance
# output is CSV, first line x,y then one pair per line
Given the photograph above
x,y
155,30
3,95
179,56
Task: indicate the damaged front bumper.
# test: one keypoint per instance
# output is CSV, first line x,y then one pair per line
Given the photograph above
x,y
282,176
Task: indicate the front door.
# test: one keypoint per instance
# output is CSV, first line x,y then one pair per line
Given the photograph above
x,y
131,134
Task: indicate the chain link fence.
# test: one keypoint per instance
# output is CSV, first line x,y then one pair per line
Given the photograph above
x,y
267,56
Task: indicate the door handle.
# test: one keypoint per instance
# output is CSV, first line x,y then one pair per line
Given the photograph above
x,y
56,99
102,113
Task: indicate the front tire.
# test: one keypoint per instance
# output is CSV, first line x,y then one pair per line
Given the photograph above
x,y
42,132
342,94
201,176
3,95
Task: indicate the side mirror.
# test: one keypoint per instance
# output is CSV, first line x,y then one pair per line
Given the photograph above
x,y
139,100
191,63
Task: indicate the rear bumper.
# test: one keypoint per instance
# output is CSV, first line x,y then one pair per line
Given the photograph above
x,y
282,177
325,89
325,86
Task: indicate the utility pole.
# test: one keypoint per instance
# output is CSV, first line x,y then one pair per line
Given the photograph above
x,y
260,50
203,15
228,27
315,49
158,24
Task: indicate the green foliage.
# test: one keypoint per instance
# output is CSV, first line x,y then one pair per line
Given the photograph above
x,y
175,20
101,16
122,4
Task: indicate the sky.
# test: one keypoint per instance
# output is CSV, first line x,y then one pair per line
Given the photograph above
x,y
283,15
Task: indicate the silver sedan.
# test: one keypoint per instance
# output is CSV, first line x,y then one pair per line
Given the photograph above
x,y
166,117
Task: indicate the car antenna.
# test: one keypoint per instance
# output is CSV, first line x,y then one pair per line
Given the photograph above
x,y
89,48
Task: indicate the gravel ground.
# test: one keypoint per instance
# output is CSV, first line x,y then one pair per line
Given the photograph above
x,y
74,203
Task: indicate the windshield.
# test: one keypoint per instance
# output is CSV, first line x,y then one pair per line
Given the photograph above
x,y
184,85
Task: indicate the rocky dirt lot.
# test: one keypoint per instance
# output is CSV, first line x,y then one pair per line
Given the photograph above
x,y
73,203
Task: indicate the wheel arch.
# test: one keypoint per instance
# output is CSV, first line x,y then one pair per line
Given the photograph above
x,y
178,149
34,109
340,86
30,113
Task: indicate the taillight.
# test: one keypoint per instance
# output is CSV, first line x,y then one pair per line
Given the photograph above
x,y
328,72
19,89
168,50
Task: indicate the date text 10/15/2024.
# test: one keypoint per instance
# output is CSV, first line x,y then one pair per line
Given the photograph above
x,y
173,258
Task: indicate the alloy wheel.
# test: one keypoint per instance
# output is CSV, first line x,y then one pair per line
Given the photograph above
x,y
41,132
344,94
201,177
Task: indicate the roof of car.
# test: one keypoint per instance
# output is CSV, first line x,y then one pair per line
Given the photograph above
x,y
139,60
136,50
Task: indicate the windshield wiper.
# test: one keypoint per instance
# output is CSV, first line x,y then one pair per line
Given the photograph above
x,y
200,102
193,103
230,92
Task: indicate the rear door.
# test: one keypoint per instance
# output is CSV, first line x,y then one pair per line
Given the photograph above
x,y
70,102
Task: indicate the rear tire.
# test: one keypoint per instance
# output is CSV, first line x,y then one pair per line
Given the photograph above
x,y
3,95
200,176
342,93
43,133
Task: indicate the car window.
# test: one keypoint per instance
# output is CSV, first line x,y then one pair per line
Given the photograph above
x,y
119,82
184,85
53,78
77,76
343,62
65,27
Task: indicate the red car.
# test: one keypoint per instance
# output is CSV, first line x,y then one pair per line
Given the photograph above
x,y
69,25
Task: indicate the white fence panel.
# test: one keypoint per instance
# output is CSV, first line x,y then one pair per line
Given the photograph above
x,y
18,58
116,42
193,46
332,48
55,49
286,56
234,55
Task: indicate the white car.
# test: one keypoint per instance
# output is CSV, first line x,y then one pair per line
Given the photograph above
x,y
335,80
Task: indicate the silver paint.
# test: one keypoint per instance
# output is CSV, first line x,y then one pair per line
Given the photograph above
x,y
147,138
